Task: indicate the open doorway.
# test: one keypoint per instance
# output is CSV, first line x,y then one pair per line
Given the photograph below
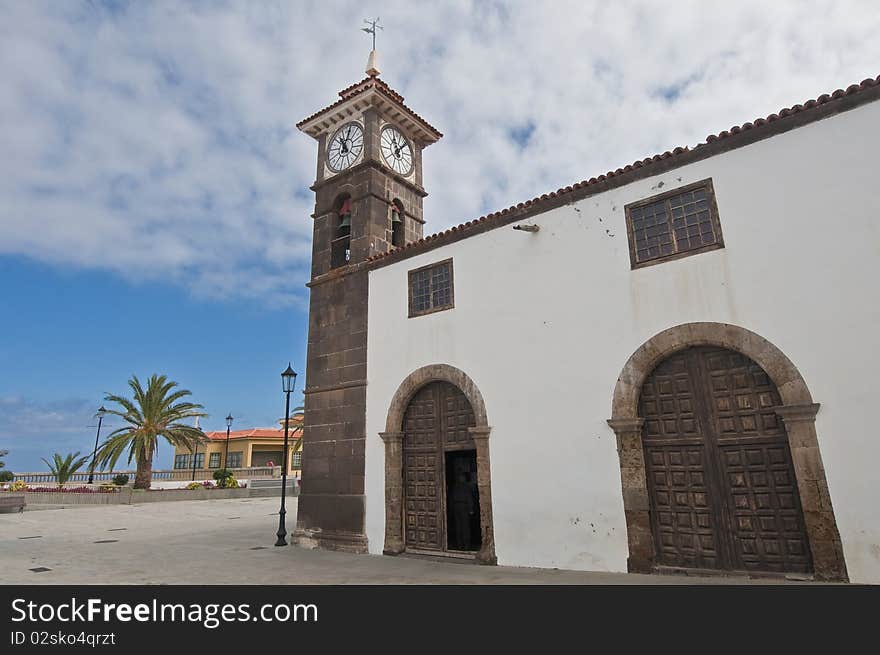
x,y
462,501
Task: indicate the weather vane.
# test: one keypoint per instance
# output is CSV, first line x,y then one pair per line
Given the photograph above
x,y
373,24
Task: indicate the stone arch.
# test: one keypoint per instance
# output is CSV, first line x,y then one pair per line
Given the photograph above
x,y
798,413
434,373
393,438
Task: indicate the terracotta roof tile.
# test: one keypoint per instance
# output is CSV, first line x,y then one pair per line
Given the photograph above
x,y
257,433
359,88
758,123
253,433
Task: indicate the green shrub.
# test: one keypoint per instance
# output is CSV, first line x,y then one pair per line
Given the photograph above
x,y
120,480
194,485
223,476
7,476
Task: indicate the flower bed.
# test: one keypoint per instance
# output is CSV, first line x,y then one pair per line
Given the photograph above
x,y
71,490
21,485
104,489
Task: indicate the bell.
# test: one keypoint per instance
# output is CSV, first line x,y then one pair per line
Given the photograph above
x,y
345,222
395,217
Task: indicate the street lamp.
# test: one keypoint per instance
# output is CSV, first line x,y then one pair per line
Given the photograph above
x,y
196,450
226,454
288,382
102,412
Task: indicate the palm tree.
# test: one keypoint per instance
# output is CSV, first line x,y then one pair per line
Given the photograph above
x,y
150,414
63,467
299,443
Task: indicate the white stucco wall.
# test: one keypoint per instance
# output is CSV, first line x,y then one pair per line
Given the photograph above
x,y
543,324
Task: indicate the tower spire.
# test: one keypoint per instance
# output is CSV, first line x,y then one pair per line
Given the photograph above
x,y
373,61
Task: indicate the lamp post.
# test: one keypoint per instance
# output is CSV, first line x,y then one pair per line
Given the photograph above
x,y
102,412
226,454
195,452
288,382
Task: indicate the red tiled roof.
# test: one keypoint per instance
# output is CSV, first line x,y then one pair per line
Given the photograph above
x,y
253,433
758,124
257,433
362,86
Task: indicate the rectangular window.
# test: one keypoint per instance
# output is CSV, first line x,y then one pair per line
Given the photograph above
x,y
181,461
234,461
214,461
200,461
431,289
297,460
674,224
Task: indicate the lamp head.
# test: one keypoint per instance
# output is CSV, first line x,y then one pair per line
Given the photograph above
x,y
288,379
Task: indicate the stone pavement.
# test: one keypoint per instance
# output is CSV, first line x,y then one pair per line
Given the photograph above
x,y
230,542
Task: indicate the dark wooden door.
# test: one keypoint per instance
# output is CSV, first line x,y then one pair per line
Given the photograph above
x,y
436,421
721,483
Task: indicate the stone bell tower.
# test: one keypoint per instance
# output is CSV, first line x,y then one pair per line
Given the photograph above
x,y
368,199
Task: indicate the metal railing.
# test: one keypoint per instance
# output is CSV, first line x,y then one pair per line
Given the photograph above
x,y
249,473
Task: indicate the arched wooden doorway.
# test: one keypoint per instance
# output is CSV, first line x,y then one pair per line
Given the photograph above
x,y
395,492
721,483
441,498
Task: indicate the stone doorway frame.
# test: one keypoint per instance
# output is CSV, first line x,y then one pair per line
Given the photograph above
x,y
798,413
393,438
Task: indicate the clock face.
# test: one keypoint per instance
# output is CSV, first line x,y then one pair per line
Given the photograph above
x,y
396,151
345,146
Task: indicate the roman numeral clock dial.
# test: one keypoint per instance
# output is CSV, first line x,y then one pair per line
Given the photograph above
x,y
345,146
396,151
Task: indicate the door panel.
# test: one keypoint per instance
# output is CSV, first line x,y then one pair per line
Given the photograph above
x,y
422,472
720,478
683,521
436,420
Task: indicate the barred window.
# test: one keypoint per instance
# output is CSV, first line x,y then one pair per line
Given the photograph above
x,y
297,460
181,461
234,460
200,461
214,461
674,224
431,288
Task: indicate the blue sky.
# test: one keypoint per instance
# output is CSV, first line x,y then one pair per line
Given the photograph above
x,y
154,201
79,334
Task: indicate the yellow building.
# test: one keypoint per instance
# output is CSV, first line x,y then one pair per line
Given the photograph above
x,y
255,447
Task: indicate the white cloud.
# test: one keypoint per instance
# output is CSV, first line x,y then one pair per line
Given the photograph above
x,y
156,140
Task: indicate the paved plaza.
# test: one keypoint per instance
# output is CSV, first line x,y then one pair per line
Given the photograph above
x,y
228,542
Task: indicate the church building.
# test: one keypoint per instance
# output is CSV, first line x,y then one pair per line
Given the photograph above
x,y
666,368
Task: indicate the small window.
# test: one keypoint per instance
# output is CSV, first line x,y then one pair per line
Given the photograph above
x,y
297,460
214,461
181,461
431,289
234,461
680,222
